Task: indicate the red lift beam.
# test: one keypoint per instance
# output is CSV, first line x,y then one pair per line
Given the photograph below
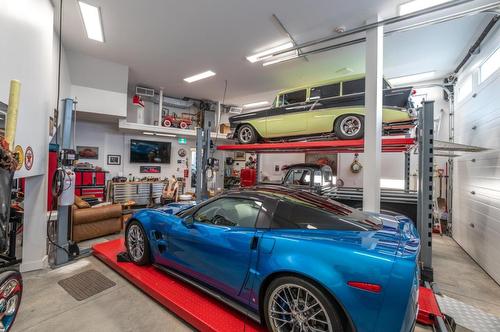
x,y
389,144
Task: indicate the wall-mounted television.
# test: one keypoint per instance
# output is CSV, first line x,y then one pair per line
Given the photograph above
x,y
149,152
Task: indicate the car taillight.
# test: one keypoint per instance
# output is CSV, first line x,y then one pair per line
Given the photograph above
x,y
374,288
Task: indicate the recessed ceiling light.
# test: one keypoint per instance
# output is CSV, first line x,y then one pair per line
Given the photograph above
x,y
166,135
412,78
416,5
268,53
257,104
285,57
148,133
198,77
92,21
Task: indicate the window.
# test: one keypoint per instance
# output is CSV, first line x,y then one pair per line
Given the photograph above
x,y
299,177
325,91
293,97
356,86
315,212
327,177
490,66
233,212
465,88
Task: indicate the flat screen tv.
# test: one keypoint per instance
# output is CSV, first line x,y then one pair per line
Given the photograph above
x,y
149,152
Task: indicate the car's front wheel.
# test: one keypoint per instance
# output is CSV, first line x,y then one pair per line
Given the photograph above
x,y
294,304
137,244
350,126
246,134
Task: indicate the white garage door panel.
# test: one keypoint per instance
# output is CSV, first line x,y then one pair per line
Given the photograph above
x,y
477,122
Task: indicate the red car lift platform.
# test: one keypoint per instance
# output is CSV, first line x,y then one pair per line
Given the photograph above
x,y
202,311
389,144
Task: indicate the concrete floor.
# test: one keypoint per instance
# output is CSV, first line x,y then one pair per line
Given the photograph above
x,y
47,307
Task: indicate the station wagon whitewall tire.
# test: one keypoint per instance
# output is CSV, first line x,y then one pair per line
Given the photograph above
x,y
350,126
137,244
246,134
294,304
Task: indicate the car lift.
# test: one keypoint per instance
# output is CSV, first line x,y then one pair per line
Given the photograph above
x,y
206,313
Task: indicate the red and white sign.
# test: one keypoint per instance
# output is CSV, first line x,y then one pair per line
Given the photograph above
x,y
28,158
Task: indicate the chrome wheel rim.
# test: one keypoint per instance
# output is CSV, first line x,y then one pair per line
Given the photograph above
x,y
246,134
135,242
293,308
350,125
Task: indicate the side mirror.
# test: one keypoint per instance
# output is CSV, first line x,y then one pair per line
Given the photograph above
x,y
188,222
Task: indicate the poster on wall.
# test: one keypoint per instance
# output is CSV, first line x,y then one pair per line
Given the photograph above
x,y
114,159
87,152
150,169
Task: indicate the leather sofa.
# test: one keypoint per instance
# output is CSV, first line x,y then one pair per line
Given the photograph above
x,y
88,223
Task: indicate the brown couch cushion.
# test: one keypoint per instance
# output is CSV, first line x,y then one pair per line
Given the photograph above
x,y
86,216
96,229
80,203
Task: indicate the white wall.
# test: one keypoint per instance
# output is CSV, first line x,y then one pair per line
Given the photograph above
x,y
100,86
269,160
392,168
27,36
476,197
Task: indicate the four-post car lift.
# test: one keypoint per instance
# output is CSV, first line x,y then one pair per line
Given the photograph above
x,y
206,313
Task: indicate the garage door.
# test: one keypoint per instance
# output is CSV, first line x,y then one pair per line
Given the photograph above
x,y
476,204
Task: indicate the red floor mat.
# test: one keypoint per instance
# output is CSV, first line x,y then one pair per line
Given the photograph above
x,y
198,309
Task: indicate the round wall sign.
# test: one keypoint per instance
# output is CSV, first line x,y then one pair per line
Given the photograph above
x,y
181,153
19,155
28,158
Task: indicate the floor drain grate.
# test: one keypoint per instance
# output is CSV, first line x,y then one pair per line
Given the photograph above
x,y
86,284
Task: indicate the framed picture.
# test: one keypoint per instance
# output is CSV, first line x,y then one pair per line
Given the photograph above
x,y
87,152
114,159
239,155
150,169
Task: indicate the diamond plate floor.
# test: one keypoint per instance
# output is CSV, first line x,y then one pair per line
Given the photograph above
x,y
469,316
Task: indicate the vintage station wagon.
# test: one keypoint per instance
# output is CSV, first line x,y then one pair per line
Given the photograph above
x,y
326,108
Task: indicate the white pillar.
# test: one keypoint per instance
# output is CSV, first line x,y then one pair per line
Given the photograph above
x,y
373,119
160,108
35,224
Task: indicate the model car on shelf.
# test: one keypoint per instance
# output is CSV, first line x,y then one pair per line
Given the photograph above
x,y
173,120
326,108
293,260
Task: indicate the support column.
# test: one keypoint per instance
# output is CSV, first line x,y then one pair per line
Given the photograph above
x,y
373,118
160,108
425,187
35,223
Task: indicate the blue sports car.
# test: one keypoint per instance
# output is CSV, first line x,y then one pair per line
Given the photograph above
x,y
293,260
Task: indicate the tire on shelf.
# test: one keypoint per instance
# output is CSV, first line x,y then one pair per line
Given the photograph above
x,y
167,123
183,125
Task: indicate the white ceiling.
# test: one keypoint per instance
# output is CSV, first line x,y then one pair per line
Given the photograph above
x,y
164,41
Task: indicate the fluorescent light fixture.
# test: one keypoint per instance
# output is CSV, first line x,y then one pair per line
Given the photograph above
x,y
416,5
92,20
198,77
166,135
412,78
148,133
285,57
268,53
257,104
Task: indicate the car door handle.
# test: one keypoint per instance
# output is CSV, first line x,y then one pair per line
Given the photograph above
x,y
255,242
